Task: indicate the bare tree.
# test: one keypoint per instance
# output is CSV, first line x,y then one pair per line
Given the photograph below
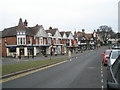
x,y
105,32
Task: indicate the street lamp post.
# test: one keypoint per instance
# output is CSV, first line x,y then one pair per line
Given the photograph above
x,y
32,51
51,47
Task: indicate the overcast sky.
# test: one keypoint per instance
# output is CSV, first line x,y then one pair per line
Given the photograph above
x,y
62,14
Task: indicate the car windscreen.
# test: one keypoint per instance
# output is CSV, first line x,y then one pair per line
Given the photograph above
x,y
115,54
107,52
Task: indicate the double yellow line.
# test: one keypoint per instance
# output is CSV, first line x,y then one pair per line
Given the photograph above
x,y
30,72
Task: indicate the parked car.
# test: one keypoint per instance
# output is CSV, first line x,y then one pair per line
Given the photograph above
x,y
113,75
116,46
113,55
106,56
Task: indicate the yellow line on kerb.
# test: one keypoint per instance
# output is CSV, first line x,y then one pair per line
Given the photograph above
x,y
27,73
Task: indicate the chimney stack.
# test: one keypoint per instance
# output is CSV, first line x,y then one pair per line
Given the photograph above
x,y
83,30
75,33
25,23
50,27
20,22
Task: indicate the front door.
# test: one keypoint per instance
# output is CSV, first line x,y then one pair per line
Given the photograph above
x,y
43,50
21,52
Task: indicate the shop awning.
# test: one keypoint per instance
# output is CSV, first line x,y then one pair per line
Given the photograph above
x,y
42,45
73,46
27,46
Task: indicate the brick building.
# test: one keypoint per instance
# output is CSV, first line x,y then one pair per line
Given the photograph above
x,y
22,40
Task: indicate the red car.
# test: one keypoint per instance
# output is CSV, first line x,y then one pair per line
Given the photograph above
x,y
105,56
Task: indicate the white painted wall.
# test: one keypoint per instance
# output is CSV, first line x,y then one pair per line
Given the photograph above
x,y
41,32
70,42
40,40
70,36
57,35
48,50
35,51
17,51
25,51
7,51
64,36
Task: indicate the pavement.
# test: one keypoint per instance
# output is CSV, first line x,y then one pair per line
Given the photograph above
x,y
11,60
83,71
6,61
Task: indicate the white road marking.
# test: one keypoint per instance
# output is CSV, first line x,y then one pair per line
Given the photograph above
x,y
101,71
70,59
30,72
102,87
101,80
101,75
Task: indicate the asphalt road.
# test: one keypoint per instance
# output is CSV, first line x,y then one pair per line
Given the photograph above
x,y
83,71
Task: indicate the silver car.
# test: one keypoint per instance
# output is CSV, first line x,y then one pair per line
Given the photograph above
x,y
113,56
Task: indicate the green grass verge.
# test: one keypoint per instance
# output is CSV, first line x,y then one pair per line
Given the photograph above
x,y
7,69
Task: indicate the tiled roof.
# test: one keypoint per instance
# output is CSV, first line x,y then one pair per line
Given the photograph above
x,y
12,31
62,33
81,34
68,33
52,31
89,36
30,31
9,32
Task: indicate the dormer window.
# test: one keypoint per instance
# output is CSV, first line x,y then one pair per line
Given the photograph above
x,y
18,33
49,35
83,38
21,33
91,38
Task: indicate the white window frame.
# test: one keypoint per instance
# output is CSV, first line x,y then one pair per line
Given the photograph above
x,y
44,41
19,38
36,41
41,40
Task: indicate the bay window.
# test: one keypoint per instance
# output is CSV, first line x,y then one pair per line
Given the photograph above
x,y
21,38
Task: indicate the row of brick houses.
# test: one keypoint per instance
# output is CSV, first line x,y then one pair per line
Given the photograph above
x,y
22,40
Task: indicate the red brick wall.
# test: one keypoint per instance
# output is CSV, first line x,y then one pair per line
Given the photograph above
x,y
46,41
9,41
53,41
33,39
27,38
63,41
4,53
